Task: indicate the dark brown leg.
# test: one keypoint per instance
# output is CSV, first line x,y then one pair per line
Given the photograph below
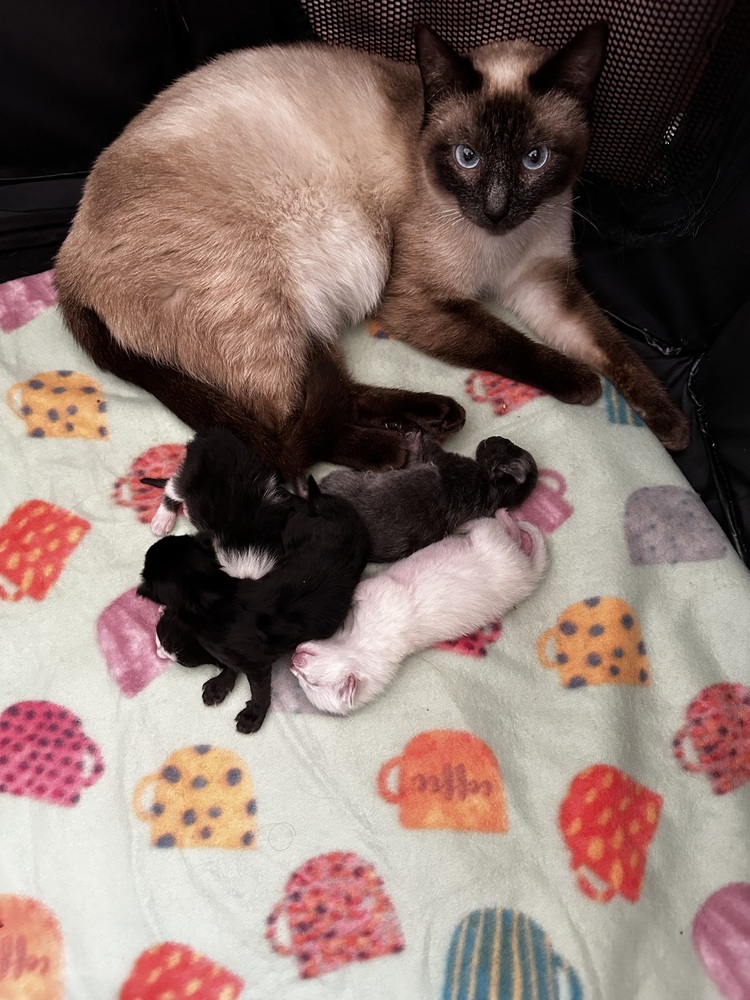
x,y
553,302
464,333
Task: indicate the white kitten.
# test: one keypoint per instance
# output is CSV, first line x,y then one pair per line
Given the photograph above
x,y
444,591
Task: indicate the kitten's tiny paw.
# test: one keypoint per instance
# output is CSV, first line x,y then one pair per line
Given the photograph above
x,y
216,689
251,718
163,522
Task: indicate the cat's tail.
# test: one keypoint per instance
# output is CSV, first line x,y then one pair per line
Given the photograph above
x,y
199,404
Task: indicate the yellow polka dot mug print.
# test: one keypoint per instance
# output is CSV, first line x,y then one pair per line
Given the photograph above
x,y
202,797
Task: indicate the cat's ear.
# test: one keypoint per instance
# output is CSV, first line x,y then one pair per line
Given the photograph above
x,y
348,691
444,72
576,68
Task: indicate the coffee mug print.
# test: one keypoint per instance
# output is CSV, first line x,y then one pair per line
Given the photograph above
x,y
475,644
608,821
505,955
202,797
665,525
159,462
335,910
61,404
45,753
35,543
503,394
126,634
172,971
23,299
596,641
546,506
31,951
446,780
715,739
721,932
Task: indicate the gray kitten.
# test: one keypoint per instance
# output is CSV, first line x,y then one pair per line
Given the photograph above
x,y
438,491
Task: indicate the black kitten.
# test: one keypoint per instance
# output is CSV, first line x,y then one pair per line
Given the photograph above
x,y
243,626
229,492
438,491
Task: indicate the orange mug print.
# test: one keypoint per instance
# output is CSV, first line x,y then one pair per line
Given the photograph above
x,y
546,507
202,797
35,544
61,404
447,780
608,821
31,951
596,641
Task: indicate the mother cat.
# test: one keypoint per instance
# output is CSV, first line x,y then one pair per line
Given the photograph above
x,y
275,195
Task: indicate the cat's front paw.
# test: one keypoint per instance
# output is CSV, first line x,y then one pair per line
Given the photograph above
x,y
671,426
217,688
251,718
576,383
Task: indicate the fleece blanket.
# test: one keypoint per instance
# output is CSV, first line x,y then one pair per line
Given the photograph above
x,y
555,808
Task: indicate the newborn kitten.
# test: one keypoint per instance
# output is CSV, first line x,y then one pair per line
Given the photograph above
x,y
243,626
406,509
446,590
229,492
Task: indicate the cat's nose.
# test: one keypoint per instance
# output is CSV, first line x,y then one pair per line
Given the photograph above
x,y
495,215
496,204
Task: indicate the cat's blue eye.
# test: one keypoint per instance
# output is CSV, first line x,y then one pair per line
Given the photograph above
x,y
466,156
536,158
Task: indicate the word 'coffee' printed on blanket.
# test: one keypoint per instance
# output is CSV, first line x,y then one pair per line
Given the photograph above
x,y
446,780
31,951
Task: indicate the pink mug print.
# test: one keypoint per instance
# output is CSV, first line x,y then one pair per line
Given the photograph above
x,y
721,932
546,507
45,754
504,394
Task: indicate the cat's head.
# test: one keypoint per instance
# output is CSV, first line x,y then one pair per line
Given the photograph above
x,y
506,127
328,675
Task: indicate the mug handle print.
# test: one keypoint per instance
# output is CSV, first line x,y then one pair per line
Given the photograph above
x,y
560,485
598,895
97,765
541,649
471,381
685,764
383,776
15,403
574,983
143,814
272,930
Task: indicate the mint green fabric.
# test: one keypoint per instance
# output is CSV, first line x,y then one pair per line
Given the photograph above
x,y
470,788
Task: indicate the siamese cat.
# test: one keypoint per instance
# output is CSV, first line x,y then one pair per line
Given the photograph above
x,y
276,195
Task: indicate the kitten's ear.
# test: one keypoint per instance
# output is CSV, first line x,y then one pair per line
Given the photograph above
x,y
444,72
575,69
313,495
348,691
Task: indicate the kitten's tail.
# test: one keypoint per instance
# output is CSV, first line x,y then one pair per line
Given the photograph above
x,y
199,404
